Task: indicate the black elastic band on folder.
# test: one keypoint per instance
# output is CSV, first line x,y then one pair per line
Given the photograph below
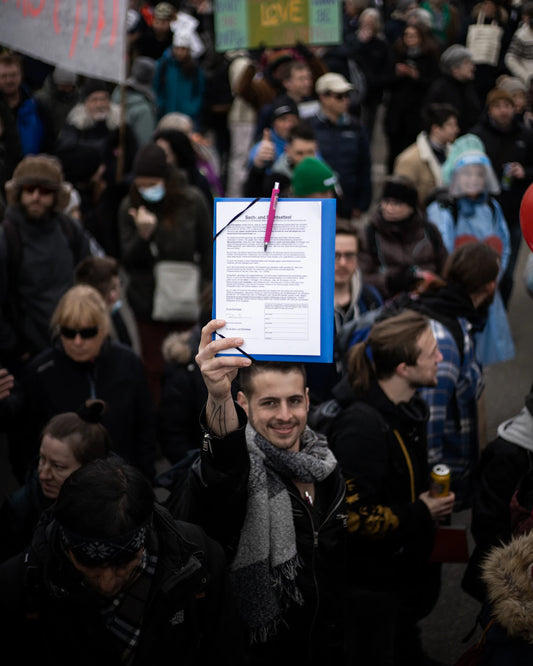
x,y
236,217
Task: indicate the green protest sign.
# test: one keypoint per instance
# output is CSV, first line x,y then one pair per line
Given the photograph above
x,y
242,24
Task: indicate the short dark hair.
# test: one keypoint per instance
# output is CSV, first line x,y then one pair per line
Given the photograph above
x,y
11,59
472,266
345,229
437,114
96,272
302,130
288,68
105,498
246,375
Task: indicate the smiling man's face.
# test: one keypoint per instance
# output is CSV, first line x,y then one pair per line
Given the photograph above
x,y
277,407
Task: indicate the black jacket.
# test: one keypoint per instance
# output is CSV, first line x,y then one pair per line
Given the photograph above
x,y
345,148
460,94
48,616
54,383
392,529
216,496
37,261
514,144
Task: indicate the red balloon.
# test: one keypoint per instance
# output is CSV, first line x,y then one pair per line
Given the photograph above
x,y
526,216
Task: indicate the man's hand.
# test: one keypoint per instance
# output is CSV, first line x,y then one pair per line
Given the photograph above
x,y
266,151
218,372
439,507
145,221
7,382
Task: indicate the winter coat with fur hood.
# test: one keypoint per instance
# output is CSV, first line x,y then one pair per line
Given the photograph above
x,y
507,575
82,142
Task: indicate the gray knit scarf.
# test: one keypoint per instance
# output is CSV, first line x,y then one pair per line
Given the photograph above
x,y
265,567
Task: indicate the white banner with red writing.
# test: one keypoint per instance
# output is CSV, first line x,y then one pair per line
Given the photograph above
x,y
84,36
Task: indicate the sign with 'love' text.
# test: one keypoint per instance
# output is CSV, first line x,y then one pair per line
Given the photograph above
x,y
243,24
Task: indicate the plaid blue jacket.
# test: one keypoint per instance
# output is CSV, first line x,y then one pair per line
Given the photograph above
x,y
453,425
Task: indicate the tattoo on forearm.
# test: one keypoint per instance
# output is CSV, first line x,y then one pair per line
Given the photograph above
x,y
216,420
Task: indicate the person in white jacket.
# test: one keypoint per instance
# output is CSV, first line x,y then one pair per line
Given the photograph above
x,y
519,56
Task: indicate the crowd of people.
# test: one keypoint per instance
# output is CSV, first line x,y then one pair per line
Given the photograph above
x,y
293,519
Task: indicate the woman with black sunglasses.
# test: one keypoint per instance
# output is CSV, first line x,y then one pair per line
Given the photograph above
x,y
81,364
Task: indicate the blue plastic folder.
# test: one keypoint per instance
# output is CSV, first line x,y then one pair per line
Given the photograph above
x,y
327,251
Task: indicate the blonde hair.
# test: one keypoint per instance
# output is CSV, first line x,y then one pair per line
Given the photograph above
x,y
81,305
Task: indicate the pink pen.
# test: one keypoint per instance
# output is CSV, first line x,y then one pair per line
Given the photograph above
x,y
271,214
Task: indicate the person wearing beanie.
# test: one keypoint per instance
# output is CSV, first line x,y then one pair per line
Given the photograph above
x,y
141,113
283,117
162,219
301,143
517,89
59,94
156,38
40,245
456,86
468,210
85,139
313,179
504,467
509,145
179,81
398,245
266,152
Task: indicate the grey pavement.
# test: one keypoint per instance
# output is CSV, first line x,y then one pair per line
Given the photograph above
x,y
507,384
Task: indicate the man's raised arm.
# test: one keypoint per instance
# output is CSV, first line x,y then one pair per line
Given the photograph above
x,y
218,372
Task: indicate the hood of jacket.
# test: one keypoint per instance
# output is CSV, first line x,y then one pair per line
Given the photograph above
x,y
80,119
507,573
518,429
451,301
402,415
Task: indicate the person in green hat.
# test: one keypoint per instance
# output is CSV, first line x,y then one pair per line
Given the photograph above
x,y
314,179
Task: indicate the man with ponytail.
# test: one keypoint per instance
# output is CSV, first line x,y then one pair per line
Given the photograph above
x,y
380,441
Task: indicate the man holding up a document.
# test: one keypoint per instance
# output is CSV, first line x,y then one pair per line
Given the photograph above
x,y
269,489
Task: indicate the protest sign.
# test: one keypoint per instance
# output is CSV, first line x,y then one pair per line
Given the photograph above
x,y
242,24
84,36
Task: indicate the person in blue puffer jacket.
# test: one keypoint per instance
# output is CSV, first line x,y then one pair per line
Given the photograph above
x,y
34,125
470,212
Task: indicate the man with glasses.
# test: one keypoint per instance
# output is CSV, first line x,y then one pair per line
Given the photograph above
x,y
111,578
343,144
39,248
352,298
